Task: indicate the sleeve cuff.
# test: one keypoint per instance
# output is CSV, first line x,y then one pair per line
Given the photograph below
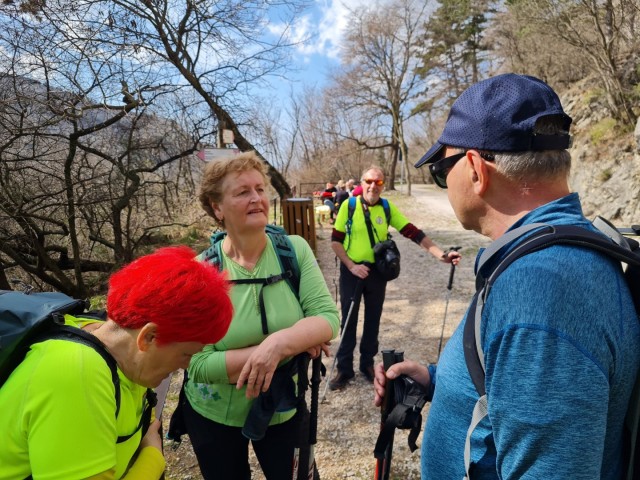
x,y
149,465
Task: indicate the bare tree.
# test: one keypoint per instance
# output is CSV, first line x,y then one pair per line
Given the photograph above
x,y
89,165
602,32
217,48
379,80
104,104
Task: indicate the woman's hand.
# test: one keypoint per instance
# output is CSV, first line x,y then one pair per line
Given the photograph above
x,y
258,370
152,438
315,351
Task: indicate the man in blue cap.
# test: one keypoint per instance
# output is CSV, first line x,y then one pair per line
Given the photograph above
x,y
559,333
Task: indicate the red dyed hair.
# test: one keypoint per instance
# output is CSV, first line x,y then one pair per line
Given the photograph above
x,y
188,300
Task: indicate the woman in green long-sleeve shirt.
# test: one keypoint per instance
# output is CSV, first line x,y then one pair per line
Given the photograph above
x,y
226,378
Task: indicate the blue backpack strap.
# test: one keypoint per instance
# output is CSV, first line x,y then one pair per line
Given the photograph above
x,y
387,210
543,238
213,255
353,201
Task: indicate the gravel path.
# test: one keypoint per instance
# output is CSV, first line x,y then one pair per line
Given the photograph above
x,y
412,321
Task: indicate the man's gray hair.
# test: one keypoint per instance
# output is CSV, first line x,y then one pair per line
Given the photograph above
x,y
538,165
376,168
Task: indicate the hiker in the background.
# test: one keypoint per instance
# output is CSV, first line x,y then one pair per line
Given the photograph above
x,y
559,333
271,324
341,194
350,185
357,191
352,244
329,199
58,408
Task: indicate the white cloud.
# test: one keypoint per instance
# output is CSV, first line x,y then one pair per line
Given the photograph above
x,y
326,26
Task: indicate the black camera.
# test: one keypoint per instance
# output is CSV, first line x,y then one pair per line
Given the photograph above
x,y
387,258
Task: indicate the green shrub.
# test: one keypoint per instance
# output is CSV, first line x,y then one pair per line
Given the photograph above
x,y
602,130
592,95
605,175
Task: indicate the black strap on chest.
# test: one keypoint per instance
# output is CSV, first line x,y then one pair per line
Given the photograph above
x,y
367,221
264,282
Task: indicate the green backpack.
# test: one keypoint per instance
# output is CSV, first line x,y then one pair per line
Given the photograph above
x,y
290,270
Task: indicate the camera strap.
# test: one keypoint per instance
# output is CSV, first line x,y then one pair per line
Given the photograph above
x,y
367,221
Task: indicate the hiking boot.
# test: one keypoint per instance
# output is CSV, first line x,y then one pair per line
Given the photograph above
x,y
339,381
368,373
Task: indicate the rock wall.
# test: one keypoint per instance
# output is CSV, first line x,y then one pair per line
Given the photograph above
x,y
606,161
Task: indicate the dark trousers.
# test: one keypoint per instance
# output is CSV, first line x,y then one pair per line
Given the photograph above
x,y
223,452
373,291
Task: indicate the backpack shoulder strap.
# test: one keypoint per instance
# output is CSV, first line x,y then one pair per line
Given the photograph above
x,y
213,255
286,256
353,201
284,250
627,251
77,335
387,210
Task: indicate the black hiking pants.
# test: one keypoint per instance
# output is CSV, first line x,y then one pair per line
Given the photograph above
x,y
373,292
223,452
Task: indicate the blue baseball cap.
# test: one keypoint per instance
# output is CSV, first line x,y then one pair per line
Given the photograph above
x,y
499,115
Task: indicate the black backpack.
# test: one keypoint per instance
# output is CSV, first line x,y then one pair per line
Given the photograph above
x,y
29,318
621,248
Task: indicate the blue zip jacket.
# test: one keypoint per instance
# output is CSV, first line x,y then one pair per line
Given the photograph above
x,y
561,341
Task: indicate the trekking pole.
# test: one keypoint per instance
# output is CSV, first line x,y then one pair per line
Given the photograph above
x,y
383,463
356,294
301,457
316,366
304,463
446,305
335,284
161,395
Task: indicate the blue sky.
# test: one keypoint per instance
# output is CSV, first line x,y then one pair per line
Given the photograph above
x,y
324,24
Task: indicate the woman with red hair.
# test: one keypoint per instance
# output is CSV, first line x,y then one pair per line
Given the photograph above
x,y
59,416
241,389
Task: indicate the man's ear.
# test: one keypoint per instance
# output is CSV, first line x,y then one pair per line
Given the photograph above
x,y
480,172
147,336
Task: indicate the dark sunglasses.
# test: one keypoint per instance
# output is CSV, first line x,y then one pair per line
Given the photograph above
x,y
440,169
368,181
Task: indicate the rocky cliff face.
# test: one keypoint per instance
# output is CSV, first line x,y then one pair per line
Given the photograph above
x,y
606,159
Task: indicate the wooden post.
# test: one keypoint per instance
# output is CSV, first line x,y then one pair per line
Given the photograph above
x,y
299,219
